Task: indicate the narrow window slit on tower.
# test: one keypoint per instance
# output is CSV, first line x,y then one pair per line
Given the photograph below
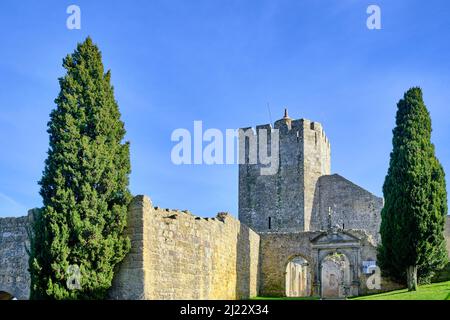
x,y
270,222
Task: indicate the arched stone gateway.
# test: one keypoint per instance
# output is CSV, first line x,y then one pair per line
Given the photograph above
x,y
298,278
335,276
338,255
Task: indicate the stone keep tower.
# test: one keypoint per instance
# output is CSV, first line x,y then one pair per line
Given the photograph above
x,y
283,202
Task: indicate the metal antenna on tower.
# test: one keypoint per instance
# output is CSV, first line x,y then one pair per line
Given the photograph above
x,y
270,114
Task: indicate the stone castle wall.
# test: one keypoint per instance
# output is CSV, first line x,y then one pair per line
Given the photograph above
x,y
283,201
176,255
278,249
14,276
351,206
317,162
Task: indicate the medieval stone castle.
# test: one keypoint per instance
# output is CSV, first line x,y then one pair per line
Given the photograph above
x,y
301,232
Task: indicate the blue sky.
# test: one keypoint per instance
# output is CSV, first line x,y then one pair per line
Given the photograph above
x,y
222,62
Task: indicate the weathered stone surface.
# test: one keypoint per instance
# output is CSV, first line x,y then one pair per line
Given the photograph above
x,y
302,201
298,197
285,198
335,276
351,206
278,249
174,255
14,276
181,257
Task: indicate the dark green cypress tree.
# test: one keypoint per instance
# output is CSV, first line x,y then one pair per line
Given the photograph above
x,y
413,217
84,186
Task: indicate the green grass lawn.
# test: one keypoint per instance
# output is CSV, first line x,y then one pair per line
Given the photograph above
x,y
285,298
434,291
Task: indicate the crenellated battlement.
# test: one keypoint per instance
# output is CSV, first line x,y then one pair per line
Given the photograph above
x,y
282,201
289,128
177,255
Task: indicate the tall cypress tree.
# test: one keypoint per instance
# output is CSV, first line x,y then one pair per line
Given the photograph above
x,y
413,217
84,186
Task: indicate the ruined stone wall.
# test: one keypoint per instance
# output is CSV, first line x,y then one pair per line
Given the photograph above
x,y
352,207
283,201
14,276
277,249
128,282
176,255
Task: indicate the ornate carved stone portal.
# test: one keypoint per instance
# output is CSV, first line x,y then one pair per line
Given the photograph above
x,y
338,256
